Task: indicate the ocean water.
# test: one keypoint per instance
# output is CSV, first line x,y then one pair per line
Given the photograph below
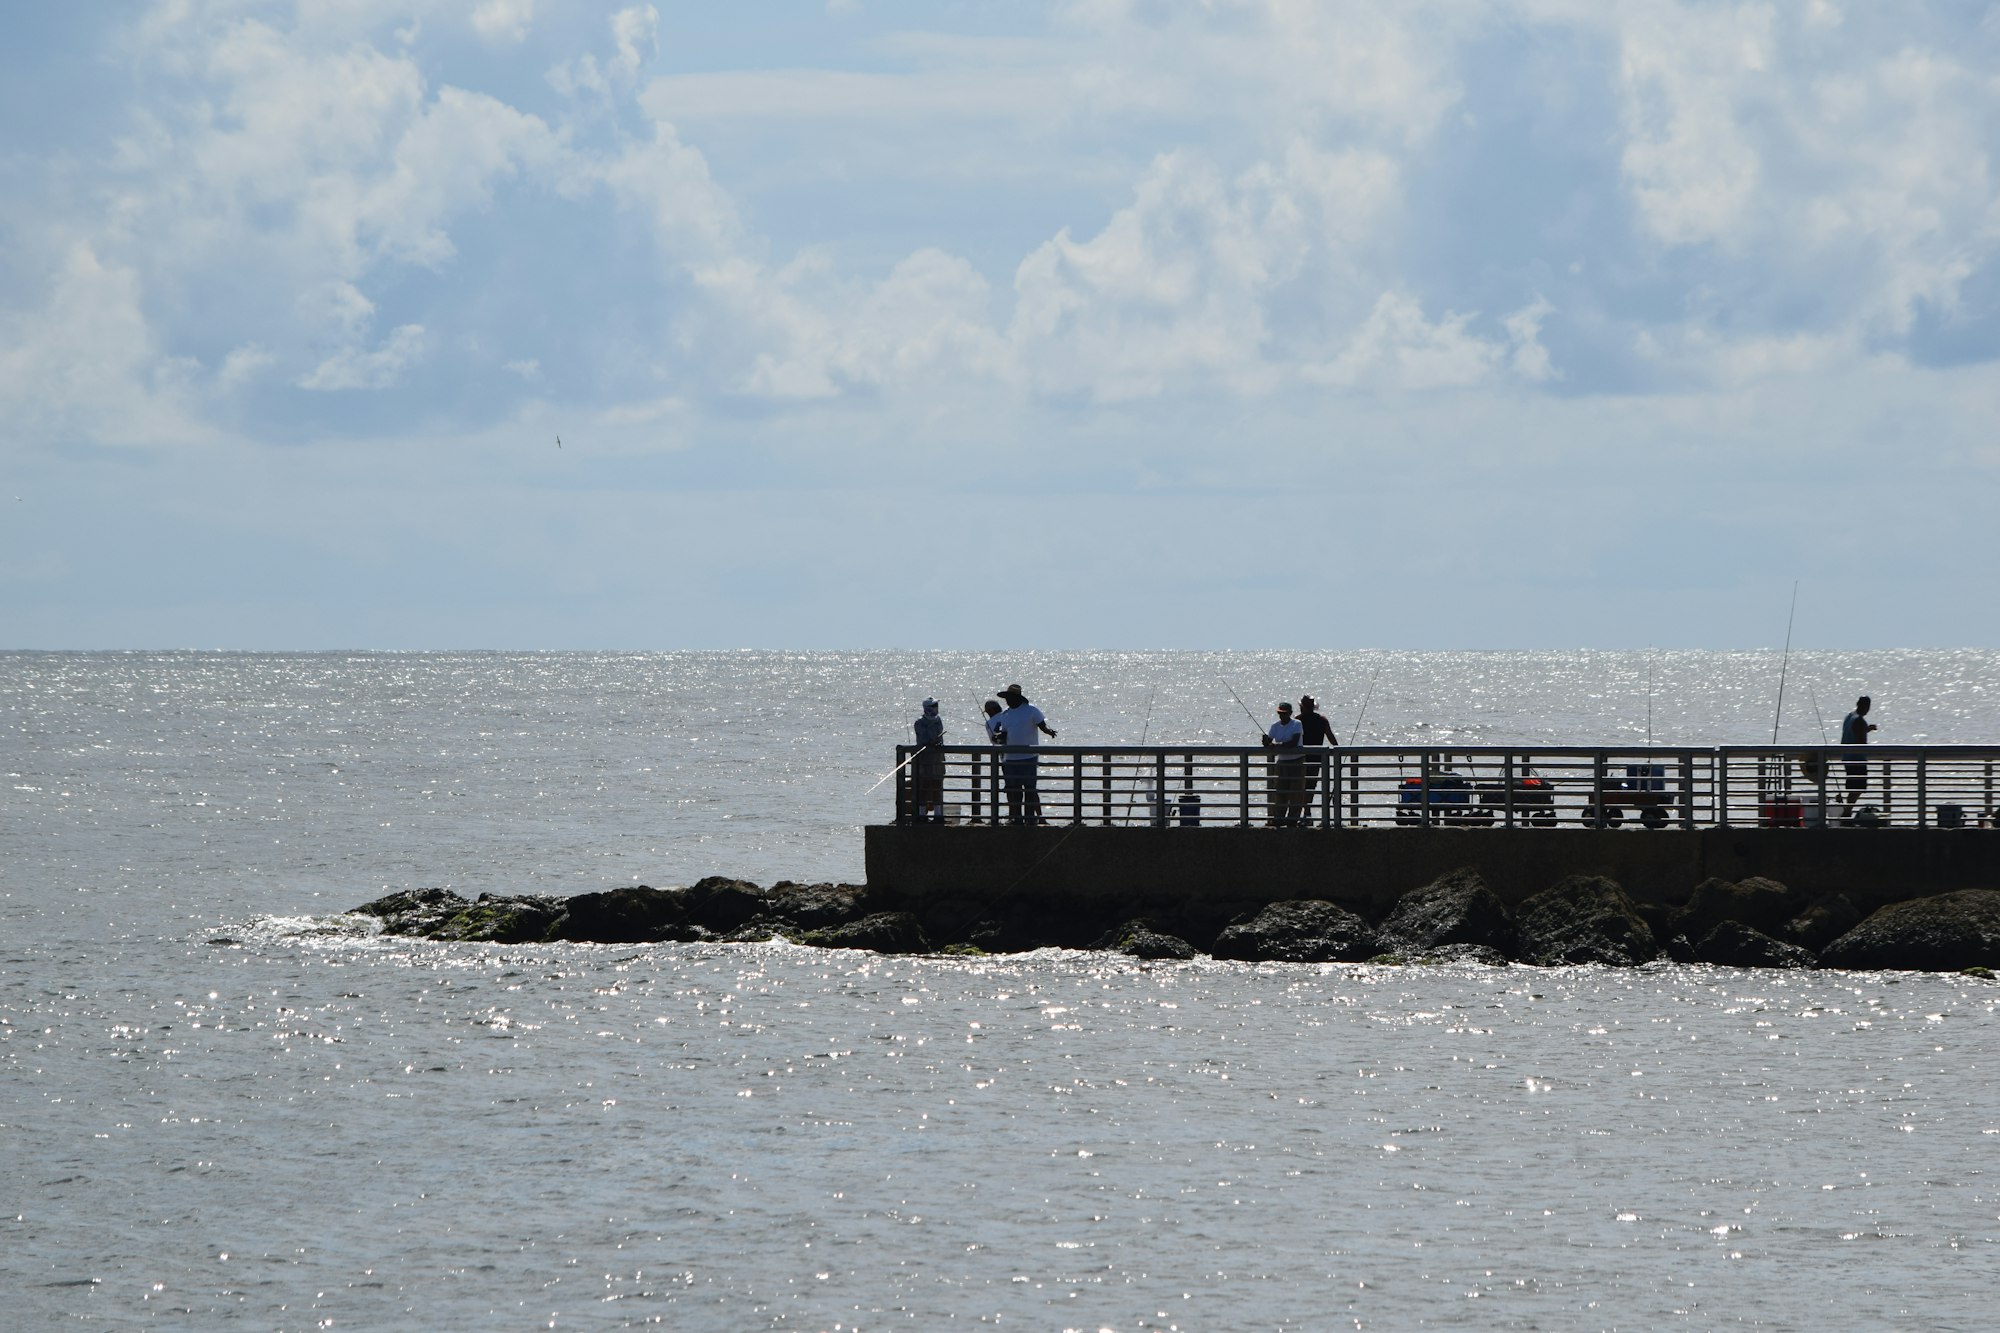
x,y
223,1102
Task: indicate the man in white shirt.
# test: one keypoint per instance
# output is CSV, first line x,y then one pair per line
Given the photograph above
x,y
1287,737
1020,729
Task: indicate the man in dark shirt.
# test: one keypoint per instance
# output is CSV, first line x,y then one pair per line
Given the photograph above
x,y
1318,732
1854,729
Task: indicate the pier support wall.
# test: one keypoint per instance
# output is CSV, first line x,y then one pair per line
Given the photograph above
x,y
1208,876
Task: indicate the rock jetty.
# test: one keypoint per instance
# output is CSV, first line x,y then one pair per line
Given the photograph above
x,y
1457,918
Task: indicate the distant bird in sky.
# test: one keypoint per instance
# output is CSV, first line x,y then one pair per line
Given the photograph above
x,y
558,441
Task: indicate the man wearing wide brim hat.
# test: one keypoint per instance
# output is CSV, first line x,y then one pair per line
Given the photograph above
x,y
1020,728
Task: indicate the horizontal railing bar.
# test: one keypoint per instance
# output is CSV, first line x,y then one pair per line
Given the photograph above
x,y
1551,751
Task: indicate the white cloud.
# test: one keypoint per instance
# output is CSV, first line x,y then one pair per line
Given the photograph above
x,y
504,20
86,363
354,368
1834,174
242,365
636,31
1688,75
1397,347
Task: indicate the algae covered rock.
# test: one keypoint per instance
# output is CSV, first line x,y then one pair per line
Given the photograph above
x,y
501,920
1584,919
884,932
1457,908
1943,933
1299,931
1733,944
1823,921
814,906
635,915
1445,954
1138,939
1483,954
721,905
414,911
1762,904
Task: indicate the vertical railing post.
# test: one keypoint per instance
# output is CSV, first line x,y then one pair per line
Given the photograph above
x,y
1424,786
1825,815
1722,788
1507,782
1104,771
1923,791
1603,818
1243,789
1687,789
902,784
1160,790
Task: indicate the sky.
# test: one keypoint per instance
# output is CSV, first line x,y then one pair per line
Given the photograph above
x,y
1090,324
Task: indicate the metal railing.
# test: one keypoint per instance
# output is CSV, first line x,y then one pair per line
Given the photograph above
x,y
1480,786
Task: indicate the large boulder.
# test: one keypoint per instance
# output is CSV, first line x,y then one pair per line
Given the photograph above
x,y
1823,921
414,911
1762,904
1299,931
635,915
1584,919
814,906
1733,944
721,905
1457,908
884,932
1938,934
1138,939
500,920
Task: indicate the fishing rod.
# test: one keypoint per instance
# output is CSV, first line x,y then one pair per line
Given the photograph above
x,y
1813,695
894,771
1785,661
1147,729
1245,707
1354,736
1649,697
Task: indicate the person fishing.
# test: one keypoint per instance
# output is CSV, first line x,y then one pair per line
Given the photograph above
x,y
1317,735
986,775
1286,738
927,769
1020,727
1854,729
